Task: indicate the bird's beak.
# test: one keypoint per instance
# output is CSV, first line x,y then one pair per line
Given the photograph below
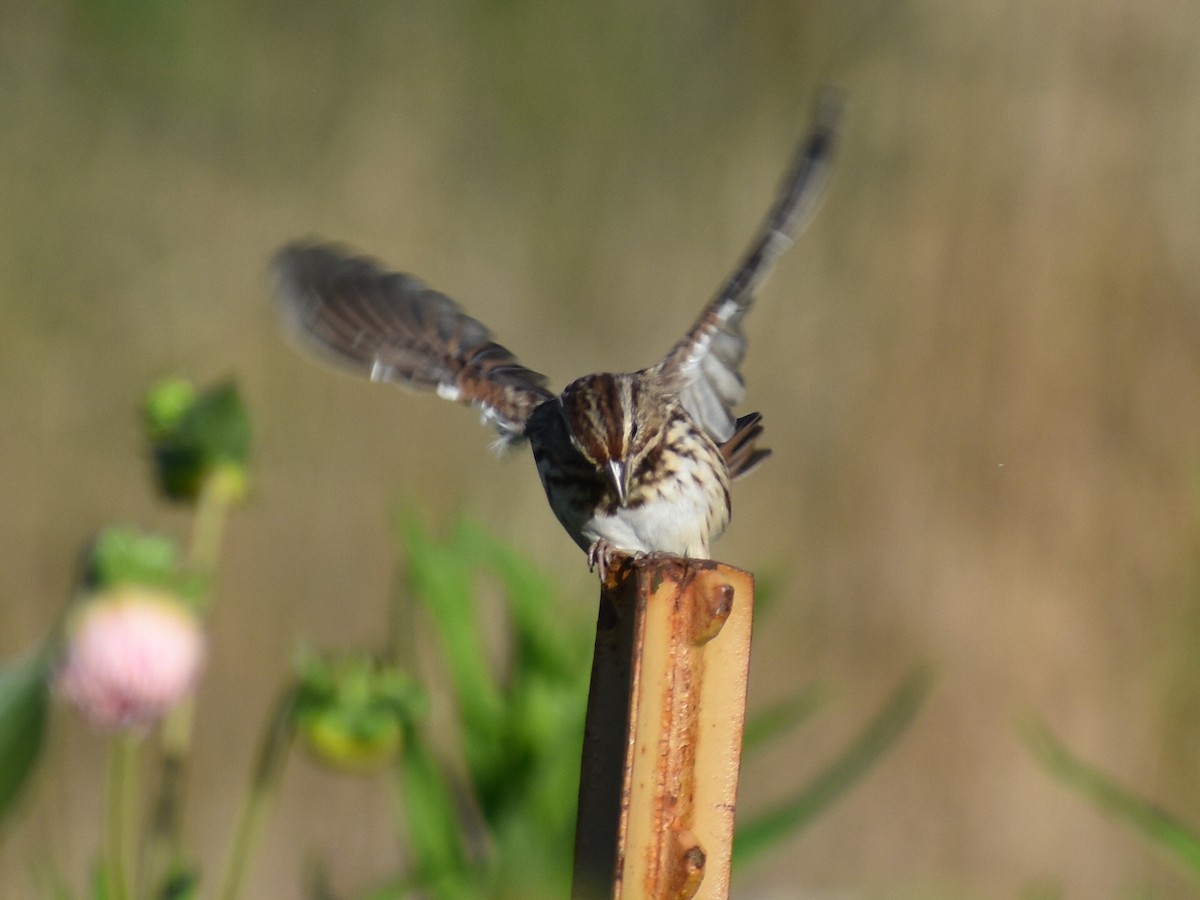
x,y
615,470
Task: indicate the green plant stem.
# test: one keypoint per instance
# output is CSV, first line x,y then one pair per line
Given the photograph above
x,y
256,802
212,507
165,843
120,850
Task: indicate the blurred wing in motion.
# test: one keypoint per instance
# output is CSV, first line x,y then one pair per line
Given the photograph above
x,y
703,368
392,327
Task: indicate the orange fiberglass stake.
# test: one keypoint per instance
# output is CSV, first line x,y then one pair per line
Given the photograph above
x,y
662,744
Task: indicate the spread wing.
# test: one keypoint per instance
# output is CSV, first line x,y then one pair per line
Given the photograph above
x,y
392,327
703,369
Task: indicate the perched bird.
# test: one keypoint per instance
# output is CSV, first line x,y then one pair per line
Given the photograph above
x,y
632,463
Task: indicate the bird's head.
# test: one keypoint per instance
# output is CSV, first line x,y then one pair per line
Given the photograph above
x,y
602,415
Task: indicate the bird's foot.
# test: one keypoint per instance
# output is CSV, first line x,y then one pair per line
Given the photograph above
x,y
603,557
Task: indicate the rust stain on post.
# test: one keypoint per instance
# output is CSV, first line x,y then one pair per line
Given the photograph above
x,y
662,744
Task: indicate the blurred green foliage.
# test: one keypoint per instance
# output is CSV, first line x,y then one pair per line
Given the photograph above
x,y
1161,828
757,834
353,711
198,439
24,699
520,731
122,555
521,735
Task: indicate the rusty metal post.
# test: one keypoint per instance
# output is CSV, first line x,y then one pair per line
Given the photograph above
x,y
662,743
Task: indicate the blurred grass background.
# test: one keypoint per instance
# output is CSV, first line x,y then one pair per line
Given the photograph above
x,y
980,369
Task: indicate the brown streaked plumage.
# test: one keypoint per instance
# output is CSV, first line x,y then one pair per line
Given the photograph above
x,y
392,327
631,463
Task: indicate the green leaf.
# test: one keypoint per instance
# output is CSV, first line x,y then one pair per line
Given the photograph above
x,y
125,556
100,883
166,405
218,424
196,435
1156,825
24,691
544,641
759,835
434,831
521,734
442,579
783,716
181,885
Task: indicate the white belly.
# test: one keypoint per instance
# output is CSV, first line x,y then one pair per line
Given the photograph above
x,y
680,522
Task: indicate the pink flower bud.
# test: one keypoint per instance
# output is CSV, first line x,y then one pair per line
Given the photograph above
x,y
132,654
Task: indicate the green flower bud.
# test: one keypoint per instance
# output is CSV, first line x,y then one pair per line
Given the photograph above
x,y
198,436
120,556
166,405
353,712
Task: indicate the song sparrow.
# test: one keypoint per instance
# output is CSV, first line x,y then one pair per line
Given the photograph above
x,y
631,463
